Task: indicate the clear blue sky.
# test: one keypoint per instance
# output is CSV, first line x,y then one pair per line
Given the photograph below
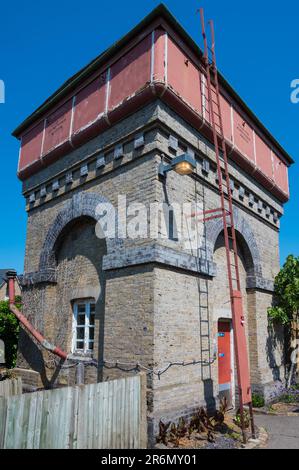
x,y
44,43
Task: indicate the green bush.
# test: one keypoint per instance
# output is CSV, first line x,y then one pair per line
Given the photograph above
x,y
9,332
257,401
287,398
286,306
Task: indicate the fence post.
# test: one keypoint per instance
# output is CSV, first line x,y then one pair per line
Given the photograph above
x,y
80,374
143,411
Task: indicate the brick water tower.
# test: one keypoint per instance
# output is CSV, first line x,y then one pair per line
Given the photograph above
x,y
148,300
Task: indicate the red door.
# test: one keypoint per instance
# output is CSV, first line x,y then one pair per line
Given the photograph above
x,y
224,360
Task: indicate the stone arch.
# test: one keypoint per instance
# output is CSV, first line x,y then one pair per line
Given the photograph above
x,y
80,205
245,237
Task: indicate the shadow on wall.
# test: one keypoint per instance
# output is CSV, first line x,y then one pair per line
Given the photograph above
x,y
209,395
34,357
276,341
79,254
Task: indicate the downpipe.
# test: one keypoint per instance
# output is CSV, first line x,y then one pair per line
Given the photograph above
x,y
11,277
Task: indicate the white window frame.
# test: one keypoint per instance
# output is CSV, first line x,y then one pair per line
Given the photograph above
x,y
87,327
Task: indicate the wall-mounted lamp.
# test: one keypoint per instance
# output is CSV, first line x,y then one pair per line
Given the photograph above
x,y
183,165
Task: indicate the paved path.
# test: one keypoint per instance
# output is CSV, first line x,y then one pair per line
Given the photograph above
x,y
283,431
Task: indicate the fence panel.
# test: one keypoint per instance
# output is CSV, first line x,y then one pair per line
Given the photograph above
x,y
10,387
108,415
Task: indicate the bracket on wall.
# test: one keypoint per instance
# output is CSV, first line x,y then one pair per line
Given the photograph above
x,y
184,164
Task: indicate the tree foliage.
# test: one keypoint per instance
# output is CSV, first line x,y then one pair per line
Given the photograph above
x,y
286,307
9,332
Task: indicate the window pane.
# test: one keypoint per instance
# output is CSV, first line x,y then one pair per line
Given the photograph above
x,y
91,319
81,319
91,345
91,333
80,345
92,308
80,333
81,308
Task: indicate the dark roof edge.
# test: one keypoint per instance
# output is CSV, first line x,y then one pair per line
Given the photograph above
x,y
85,72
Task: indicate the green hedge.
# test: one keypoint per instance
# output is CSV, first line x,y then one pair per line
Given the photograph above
x,y
9,332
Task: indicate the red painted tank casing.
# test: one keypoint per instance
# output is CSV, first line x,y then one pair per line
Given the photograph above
x,y
156,63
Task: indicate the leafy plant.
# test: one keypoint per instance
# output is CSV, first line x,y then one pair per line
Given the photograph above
x,y
182,428
290,395
258,401
195,424
286,308
234,435
286,287
287,398
9,332
173,435
218,418
246,418
201,422
206,420
178,432
211,437
163,432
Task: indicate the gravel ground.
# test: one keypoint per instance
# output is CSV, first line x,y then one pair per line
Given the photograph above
x,y
223,443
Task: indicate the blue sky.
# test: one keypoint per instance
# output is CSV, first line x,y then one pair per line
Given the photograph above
x,y
42,44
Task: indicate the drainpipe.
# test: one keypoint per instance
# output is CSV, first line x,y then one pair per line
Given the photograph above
x,y
11,277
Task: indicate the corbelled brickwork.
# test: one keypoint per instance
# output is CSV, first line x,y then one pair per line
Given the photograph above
x,y
151,294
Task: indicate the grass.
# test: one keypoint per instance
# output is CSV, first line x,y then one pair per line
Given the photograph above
x,y
258,401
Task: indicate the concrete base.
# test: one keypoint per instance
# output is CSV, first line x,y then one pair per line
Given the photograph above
x,y
269,391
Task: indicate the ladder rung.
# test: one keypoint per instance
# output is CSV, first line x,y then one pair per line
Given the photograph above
x,y
215,103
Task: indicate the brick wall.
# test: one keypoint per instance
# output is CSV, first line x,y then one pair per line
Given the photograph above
x,y
150,311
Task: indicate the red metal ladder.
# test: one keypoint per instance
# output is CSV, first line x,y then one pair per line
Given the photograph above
x,y
211,86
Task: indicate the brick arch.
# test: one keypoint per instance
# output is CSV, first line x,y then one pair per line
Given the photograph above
x,y
245,237
81,205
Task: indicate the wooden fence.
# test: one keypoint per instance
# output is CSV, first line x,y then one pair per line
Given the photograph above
x,y
107,415
10,387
